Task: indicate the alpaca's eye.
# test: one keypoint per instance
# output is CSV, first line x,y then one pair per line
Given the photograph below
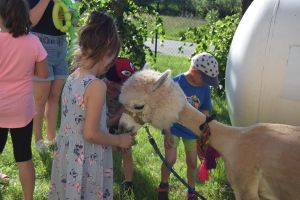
x,y
138,107
126,73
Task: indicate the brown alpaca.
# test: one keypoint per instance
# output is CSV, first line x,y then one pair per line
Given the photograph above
x,y
262,161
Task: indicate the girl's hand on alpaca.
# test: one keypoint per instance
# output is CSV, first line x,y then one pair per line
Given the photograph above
x,y
126,140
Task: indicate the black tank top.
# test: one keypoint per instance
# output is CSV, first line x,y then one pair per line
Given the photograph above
x,y
45,25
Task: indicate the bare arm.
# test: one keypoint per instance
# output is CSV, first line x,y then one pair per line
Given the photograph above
x,y
37,11
41,69
94,99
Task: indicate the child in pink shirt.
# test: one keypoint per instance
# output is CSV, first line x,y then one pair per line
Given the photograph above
x,y
21,57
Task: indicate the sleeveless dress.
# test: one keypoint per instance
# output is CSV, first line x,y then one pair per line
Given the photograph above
x,y
80,169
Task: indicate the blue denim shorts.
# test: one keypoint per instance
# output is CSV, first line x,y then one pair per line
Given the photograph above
x,y
56,47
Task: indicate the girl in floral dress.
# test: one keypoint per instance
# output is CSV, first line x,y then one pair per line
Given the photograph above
x,y
82,163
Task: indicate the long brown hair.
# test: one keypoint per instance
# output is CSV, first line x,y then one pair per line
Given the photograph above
x,y
98,37
15,16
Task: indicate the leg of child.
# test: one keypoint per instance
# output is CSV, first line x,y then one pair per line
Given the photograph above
x,y
51,111
127,165
41,94
191,161
3,138
170,156
21,139
27,178
170,143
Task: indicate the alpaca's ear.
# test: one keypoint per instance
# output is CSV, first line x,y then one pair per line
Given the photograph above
x,y
146,66
162,79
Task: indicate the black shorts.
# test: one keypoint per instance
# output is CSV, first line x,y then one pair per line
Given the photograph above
x,y
21,139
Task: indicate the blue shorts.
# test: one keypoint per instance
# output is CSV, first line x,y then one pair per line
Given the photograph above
x,y
56,47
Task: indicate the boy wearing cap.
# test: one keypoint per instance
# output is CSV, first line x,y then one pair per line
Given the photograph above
x,y
203,72
115,77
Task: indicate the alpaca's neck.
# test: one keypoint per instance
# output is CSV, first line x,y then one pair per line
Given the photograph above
x,y
221,135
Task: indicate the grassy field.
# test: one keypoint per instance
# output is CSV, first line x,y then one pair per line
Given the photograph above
x,y
147,163
175,26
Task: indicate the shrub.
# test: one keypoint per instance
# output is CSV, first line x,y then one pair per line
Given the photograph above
x,y
224,7
131,23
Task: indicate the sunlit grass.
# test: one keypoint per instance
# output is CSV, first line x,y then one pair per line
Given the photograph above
x,y
176,26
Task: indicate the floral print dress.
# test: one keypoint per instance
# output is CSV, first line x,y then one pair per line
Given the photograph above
x,y
80,169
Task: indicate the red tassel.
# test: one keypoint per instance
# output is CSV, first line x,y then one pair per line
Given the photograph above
x,y
203,173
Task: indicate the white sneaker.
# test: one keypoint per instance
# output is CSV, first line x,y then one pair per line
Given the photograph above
x,y
50,144
41,147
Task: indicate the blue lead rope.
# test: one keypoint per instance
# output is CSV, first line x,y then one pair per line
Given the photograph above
x,y
155,147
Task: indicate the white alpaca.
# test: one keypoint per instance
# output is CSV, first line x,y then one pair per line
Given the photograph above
x,y
262,161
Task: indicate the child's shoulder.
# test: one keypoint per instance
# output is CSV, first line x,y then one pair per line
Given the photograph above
x,y
179,76
30,39
96,89
98,82
89,82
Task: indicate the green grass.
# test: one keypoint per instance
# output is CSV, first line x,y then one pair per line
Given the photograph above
x,y
146,162
177,64
175,26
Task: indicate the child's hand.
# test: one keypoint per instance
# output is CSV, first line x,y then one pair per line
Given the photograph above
x,y
126,140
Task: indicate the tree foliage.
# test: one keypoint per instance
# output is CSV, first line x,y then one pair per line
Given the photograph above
x,y
187,8
224,7
245,5
132,24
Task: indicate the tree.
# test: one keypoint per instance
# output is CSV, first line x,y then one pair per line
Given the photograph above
x,y
132,25
245,5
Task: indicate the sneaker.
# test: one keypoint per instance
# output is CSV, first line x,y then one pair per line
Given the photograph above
x,y
127,188
4,179
41,147
163,192
50,144
127,185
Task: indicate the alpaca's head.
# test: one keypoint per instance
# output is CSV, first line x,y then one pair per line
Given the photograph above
x,y
151,96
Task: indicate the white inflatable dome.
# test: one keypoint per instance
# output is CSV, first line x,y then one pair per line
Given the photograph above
x,y
263,69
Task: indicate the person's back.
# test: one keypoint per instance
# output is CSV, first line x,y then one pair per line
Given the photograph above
x,y
72,106
85,157
82,161
21,57
17,63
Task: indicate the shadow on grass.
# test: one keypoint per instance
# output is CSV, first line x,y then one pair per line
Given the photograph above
x,y
46,159
142,183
